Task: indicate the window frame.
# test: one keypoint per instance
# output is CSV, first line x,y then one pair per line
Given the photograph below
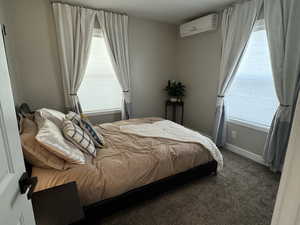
x,y
102,112
97,32
259,25
251,125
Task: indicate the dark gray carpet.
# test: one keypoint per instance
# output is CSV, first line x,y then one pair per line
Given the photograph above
x,y
242,194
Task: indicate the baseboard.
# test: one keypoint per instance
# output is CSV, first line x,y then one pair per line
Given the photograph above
x,y
242,152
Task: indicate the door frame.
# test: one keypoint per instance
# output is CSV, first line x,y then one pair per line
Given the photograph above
x,y
287,206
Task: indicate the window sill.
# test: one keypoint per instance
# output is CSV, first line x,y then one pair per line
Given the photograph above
x,y
250,125
102,112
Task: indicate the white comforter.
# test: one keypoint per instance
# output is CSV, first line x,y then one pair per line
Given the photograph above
x,y
173,131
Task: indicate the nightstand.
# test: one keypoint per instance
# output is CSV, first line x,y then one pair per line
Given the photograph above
x,y
59,205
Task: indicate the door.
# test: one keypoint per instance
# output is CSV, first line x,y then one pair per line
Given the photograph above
x,y
287,207
15,208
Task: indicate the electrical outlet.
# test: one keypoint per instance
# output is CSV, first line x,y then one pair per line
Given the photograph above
x,y
233,134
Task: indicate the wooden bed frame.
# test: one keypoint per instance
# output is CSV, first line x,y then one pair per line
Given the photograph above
x,y
148,191
108,206
152,190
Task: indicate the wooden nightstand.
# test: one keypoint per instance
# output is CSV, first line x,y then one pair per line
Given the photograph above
x,y
58,205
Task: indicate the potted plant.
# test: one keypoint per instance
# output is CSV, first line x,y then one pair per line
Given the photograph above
x,y
175,90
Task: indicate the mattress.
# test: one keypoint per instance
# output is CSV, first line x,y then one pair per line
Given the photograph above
x,y
127,161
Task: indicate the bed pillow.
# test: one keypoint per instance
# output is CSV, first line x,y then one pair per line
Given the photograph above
x,y
74,117
79,137
51,137
97,138
33,152
54,116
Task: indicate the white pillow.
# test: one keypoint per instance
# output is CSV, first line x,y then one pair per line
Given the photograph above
x,y
54,116
50,136
34,152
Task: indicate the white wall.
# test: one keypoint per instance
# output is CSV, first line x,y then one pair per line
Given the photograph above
x,y
152,50
33,53
247,138
4,20
2,16
287,207
33,50
198,60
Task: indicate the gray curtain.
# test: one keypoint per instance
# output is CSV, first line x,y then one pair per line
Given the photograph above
x,y
236,27
282,24
74,28
115,30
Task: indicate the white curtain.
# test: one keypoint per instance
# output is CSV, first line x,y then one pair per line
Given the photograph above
x,y
74,28
237,25
115,30
282,24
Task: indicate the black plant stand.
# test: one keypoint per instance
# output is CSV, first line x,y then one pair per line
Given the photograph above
x,y
175,106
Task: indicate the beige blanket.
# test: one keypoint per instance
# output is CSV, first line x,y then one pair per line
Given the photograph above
x,y
128,161
173,131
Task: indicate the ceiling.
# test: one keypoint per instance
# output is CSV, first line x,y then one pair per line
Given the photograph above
x,y
169,11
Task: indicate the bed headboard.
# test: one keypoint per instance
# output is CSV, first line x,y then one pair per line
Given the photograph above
x,y
21,112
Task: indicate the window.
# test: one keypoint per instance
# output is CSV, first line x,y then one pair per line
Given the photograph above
x,y
252,98
100,90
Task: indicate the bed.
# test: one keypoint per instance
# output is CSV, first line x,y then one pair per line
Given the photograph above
x,y
130,163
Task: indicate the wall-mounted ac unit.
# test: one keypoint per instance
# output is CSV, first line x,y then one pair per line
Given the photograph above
x,y
203,24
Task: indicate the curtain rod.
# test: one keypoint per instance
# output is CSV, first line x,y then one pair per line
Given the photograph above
x,y
217,10
97,9
232,4
85,7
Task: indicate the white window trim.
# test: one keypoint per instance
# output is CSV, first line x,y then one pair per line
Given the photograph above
x,y
259,25
97,33
102,112
251,125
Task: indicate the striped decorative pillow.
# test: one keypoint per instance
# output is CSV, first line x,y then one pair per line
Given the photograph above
x,y
97,138
94,135
74,117
79,137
